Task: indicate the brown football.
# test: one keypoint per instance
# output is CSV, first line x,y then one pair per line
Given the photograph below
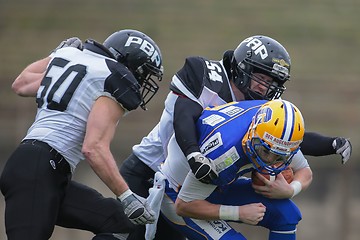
x,y
287,173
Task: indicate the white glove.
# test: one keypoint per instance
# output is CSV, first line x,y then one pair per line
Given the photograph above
x,y
70,42
343,147
136,208
203,168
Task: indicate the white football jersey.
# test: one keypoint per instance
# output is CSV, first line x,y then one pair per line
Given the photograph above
x,y
73,81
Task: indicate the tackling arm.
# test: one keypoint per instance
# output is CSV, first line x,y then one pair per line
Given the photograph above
x,y
28,81
315,144
186,113
100,130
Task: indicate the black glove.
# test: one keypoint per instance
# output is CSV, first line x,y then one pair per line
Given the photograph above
x,y
70,42
136,208
203,169
343,147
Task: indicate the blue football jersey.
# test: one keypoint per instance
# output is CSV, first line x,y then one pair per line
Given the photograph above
x,y
221,130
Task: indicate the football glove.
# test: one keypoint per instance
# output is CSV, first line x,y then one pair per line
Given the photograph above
x,y
343,147
136,208
70,42
203,169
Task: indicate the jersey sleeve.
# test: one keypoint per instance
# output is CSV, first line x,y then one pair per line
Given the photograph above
x,y
192,189
191,77
203,81
123,86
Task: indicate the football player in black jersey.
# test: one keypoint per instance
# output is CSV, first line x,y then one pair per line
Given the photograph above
x,y
257,69
82,90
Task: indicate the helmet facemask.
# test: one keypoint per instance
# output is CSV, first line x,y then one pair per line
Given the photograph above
x,y
244,74
260,54
141,55
258,151
274,136
147,75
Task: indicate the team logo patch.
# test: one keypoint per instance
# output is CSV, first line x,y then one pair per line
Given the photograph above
x,y
226,160
211,144
213,119
216,229
231,110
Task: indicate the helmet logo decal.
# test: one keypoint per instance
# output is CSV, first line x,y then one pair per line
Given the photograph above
x,y
146,47
257,46
263,115
281,70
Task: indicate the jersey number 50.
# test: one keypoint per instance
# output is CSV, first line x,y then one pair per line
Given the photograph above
x,y
64,92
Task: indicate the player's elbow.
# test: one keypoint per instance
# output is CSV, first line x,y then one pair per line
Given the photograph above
x,y
91,152
308,177
180,207
16,87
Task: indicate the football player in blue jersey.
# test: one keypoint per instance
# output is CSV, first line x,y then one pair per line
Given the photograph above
x,y
82,90
238,138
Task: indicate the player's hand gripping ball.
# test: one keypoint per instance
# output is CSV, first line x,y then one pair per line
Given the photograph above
x,y
287,173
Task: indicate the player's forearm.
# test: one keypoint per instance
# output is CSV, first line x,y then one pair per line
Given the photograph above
x,y
104,165
304,176
198,209
100,130
315,144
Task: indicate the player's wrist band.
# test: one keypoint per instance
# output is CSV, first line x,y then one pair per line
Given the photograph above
x,y
191,155
296,185
229,212
125,195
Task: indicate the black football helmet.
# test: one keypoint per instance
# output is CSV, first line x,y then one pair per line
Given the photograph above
x,y
141,55
260,54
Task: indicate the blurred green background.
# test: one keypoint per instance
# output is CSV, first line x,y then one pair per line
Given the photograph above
x,y
322,37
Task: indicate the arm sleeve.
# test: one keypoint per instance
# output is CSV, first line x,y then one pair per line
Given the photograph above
x,y
186,113
315,144
299,162
192,189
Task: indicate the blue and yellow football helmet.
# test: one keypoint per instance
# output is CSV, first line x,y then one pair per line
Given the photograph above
x,y
274,136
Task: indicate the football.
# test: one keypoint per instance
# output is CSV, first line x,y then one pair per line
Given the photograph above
x,y
287,173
